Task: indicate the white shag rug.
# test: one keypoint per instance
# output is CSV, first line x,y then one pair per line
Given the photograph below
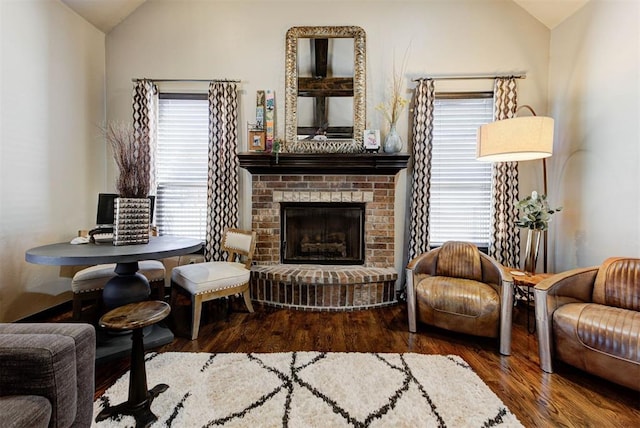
x,y
313,389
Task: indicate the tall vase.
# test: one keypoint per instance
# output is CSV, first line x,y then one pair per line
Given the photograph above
x,y
392,142
531,250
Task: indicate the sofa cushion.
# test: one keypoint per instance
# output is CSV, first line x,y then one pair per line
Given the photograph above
x,y
51,376
19,411
606,329
44,365
599,339
618,283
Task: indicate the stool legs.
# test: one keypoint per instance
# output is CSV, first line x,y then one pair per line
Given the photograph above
x,y
139,401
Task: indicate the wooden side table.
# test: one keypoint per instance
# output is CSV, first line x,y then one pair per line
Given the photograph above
x,y
524,282
136,316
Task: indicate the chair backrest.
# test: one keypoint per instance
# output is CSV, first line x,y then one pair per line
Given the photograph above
x,y
618,283
239,243
459,260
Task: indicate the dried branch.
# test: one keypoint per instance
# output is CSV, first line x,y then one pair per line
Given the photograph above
x,y
132,155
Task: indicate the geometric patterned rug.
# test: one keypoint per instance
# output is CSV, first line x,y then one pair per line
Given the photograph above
x,y
313,389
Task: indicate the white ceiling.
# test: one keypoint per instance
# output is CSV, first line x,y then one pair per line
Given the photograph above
x,y
106,14
551,12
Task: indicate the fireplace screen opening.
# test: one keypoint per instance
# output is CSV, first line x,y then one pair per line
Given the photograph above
x,y
322,233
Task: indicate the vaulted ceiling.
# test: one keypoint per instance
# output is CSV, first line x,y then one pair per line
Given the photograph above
x,y
106,14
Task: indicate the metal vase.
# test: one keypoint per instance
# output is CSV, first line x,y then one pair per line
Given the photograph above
x,y
131,221
531,250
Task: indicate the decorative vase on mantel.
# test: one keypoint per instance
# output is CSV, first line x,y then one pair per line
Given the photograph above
x,y
531,250
131,221
392,142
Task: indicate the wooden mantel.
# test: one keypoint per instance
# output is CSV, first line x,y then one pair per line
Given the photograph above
x,y
324,163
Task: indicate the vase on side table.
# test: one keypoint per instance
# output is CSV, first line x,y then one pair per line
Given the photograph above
x,y
531,250
392,142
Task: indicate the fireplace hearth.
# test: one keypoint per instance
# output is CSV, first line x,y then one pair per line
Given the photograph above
x,y
322,233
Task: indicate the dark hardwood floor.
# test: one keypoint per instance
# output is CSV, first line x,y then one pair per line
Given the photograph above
x,y
567,398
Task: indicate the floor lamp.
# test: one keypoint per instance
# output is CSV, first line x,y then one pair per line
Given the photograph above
x,y
518,139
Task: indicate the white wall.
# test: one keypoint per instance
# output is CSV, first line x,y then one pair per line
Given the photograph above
x,y
595,99
51,162
245,40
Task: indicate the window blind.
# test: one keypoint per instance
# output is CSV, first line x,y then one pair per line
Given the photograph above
x,y
460,203
181,165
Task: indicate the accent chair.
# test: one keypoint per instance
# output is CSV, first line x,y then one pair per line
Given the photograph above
x,y
213,280
458,288
590,319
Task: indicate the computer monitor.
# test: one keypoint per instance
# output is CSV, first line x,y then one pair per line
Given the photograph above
x,y
105,209
105,213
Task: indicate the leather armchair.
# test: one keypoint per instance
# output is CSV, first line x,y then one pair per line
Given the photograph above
x,y
590,319
47,374
458,288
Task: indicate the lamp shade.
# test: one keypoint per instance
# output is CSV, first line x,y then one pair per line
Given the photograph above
x,y
517,139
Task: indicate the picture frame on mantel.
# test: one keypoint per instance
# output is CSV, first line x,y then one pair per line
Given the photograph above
x,y
371,139
257,141
256,138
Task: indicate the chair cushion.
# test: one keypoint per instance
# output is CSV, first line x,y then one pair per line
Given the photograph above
x,y
94,277
458,296
20,411
210,276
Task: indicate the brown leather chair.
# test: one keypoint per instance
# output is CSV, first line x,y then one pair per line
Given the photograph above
x,y
590,318
458,288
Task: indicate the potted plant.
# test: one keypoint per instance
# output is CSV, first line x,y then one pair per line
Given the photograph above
x,y
536,215
131,209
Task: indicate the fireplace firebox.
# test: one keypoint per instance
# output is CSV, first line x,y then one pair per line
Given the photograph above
x,y
322,233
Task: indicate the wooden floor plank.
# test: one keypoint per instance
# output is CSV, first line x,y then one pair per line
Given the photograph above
x,y
568,397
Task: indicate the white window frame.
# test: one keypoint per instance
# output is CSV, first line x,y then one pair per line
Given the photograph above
x,y
181,165
460,187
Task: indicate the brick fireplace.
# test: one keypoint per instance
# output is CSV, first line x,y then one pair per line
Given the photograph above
x,y
361,179
377,192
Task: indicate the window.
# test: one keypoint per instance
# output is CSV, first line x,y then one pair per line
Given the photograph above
x,y
181,165
460,204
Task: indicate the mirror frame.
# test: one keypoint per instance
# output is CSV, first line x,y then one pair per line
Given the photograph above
x,y
353,145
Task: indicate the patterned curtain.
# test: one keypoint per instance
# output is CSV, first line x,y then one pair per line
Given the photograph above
x,y
145,114
505,235
222,184
421,151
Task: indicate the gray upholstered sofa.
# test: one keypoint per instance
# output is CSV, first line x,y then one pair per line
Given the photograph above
x,y
47,375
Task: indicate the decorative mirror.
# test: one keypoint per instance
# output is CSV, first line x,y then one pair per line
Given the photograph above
x,y
325,90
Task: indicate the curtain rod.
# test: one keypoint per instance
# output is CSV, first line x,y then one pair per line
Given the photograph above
x,y
476,77
187,80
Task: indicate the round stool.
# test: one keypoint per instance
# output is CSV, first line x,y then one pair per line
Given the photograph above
x,y
136,316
